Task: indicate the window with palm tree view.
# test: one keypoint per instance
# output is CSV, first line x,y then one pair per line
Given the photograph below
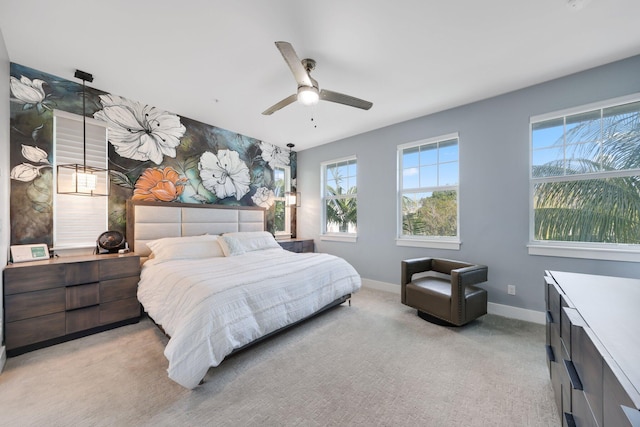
x,y
282,221
585,175
340,197
428,190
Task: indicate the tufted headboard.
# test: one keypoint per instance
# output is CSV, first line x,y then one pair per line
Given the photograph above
x,y
148,221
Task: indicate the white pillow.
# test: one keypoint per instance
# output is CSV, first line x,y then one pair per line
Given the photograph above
x,y
231,246
247,241
189,247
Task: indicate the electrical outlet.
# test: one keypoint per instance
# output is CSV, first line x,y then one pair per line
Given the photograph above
x,y
511,289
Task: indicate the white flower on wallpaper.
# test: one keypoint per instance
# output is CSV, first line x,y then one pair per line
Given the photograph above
x,y
27,172
138,131
224,174
274,155
34,154
29,92
263,197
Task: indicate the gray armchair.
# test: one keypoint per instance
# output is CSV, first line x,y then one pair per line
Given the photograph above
x,y
445,291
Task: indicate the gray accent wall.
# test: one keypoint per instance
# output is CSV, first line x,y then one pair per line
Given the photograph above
x,y
494,186
4,176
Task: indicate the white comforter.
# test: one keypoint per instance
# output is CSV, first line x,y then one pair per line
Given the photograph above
x,y
211,306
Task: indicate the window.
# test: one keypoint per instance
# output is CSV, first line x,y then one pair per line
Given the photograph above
x,y
585,181
340,199
78,220
428,193
282,180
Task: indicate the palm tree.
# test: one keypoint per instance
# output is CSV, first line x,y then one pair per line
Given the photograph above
x,y
604,210
342,211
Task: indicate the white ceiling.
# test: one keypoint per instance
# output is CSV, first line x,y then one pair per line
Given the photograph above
x,y
215,61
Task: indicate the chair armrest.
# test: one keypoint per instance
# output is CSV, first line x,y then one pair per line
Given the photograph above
x,y
469,275
413,266
460,279
410,267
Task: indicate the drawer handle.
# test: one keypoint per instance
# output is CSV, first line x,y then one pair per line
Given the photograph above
x,y
570,422
549,317
573,375
550,355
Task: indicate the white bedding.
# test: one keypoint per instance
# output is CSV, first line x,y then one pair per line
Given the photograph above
x,y
211,306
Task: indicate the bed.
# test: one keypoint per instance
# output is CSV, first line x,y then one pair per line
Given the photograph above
x,y
216,282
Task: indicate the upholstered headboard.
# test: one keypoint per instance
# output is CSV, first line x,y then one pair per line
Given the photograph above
x,y
148,221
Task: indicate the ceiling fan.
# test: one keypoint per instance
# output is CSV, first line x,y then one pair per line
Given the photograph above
x,y
308,91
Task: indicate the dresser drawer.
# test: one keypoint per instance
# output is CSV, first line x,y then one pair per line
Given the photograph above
x,y
78,273
115,289
582,414
618,392
116,311
588,362
82,296
34,278
33,304
30,331
82,319
113,268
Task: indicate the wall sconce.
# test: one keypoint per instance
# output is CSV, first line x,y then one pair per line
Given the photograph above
x,y
291,198
80,179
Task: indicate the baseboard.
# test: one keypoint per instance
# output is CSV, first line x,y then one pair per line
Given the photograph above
x,y
516,313
3,357
492,308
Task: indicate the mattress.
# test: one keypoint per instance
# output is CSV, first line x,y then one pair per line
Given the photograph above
x,y
211,306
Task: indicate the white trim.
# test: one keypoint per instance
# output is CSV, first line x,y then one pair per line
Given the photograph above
x,y
432,140
518,313
381,286
341,159
350,238
627,99
568,250
492,308
453,245
422,241
582,250
338,237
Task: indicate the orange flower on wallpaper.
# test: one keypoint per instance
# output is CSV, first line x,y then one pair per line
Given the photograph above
x,y
164,185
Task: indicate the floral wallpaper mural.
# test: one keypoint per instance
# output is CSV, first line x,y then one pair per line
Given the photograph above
x,y
153,155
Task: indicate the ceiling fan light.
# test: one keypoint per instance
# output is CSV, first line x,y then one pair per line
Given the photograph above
x,y
308,95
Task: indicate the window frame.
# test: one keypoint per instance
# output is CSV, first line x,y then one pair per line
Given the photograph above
x,y
434,242
286,233
571,249
336,236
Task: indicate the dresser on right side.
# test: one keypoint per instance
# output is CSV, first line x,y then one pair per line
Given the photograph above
x,y
593,348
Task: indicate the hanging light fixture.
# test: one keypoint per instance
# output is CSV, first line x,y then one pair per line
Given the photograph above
x,y
81,179
291,198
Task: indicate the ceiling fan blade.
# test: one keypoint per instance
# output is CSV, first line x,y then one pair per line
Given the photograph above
x,y
290,56
288,100
341,98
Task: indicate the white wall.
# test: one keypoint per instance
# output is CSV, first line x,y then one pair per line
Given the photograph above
x,y
4,177
494,186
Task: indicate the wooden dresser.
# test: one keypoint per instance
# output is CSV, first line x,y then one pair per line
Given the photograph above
x,y
51,301
297,245
593,348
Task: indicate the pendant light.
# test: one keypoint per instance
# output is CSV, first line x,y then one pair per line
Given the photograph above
x,y
82,179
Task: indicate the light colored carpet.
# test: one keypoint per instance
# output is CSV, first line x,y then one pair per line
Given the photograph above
x,y
375,363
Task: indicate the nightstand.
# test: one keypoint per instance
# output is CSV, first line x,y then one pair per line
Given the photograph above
x,y
52,301
297,245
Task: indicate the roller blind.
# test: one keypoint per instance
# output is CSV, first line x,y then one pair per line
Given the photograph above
x,y
78,220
